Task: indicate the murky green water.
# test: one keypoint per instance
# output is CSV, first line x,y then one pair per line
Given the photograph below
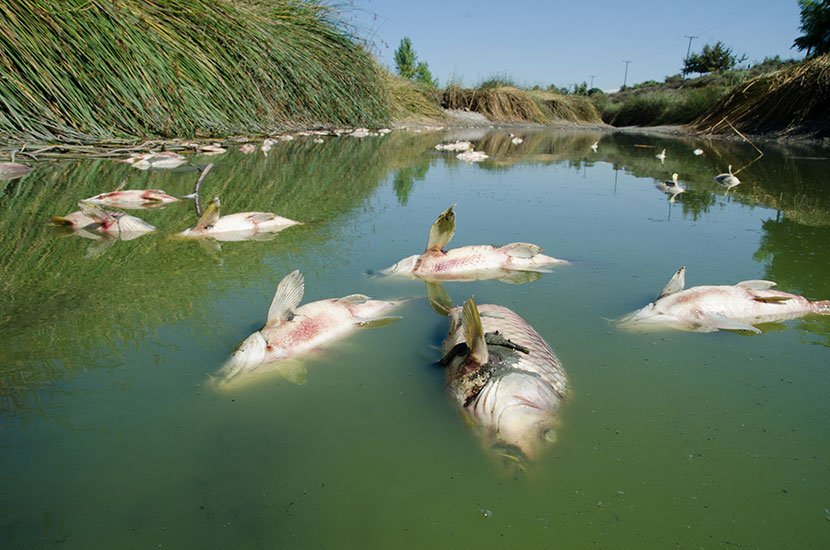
x,y
111,436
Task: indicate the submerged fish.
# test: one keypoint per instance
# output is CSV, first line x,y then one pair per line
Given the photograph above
x,y
293,330
94,218
505,377
133,198
726,307
469,263
236,227
159,161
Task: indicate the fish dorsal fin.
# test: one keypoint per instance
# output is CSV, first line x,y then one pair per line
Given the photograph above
x,y
521,250
94,211
354,299
287,298
474,332
209,215
442,230
676,283
756,284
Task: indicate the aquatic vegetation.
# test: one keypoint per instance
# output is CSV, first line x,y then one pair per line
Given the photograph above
x,y
79,71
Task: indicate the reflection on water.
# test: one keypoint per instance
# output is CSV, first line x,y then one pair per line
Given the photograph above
x,y
112,436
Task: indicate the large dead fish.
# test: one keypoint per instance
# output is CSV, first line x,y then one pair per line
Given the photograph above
x,y
726,307
293,330
236,227
470,263
505,377
94,218
133,198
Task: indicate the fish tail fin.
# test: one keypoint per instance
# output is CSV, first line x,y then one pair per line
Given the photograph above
x,y
474,332
61,220
210,214
442,230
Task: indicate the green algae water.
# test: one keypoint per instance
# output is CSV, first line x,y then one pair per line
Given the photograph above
x,y
113,436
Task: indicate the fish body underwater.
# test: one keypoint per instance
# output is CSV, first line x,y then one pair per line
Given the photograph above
x,y
469,263
506,379
293,330
720,307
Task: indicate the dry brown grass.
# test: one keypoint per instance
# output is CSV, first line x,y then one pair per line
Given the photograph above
x,y
793,100
576,109
500,104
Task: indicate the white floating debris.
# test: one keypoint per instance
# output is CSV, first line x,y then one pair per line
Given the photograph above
x,y
361,133
161,160
472,156
212,149
457,146
247,148
286,137
698,152
317,140
516,140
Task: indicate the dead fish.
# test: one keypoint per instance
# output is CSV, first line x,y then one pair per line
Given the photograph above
x,y
247,148
133,198
671,187
211,149
159,161
236,227
293,330
13,170
118,224
721,307
73,220
728,179
472,156
506,379
469,263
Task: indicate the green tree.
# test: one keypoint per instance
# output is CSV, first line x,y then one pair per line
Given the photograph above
x,y
408,66
815,24
711,59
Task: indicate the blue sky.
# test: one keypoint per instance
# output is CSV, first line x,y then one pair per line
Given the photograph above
x,y
565,42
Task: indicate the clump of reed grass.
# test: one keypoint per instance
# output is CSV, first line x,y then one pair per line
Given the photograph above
x,y
411,100
500,104
651,108
792,100
75,70
568,108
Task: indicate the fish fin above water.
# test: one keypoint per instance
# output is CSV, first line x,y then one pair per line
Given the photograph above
x,y
438,298
354,299
521,250
442,230
676,283
756,284
210,215
772,299
288,296
716,321
379,322
474,332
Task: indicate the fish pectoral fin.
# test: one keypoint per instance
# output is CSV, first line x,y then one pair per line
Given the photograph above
x,y
287,298
474,332
676,283
722,322
438,298
379,322
442,230
210,215
354,299
292,370
521,250
756,284
771,299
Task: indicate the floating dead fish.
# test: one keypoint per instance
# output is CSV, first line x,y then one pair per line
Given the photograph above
x,y
236,227
247,148
671,187
163,160
594,146
722,307
506,379
728,179
698,152
212,149
133,198
472,156
293,330
470,263
91,217
457,146
516,140
13,170
661,155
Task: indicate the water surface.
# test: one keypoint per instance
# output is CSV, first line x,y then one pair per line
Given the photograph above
x,y
112,436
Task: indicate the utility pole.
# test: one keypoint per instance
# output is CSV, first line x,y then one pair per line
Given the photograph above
x,y
688,50
625,80
592,80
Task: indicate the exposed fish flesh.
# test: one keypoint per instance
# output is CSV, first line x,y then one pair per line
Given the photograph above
x,y
721,307
133,198
293,330
236,227
505,378
470,263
